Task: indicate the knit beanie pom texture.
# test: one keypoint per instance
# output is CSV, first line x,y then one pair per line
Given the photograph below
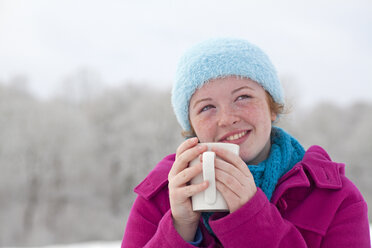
x,y
217,58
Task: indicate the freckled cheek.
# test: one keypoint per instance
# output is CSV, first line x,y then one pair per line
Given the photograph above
x,y
204,130
250,113
256,113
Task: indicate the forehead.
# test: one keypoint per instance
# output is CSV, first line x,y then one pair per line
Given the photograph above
x,y
225,86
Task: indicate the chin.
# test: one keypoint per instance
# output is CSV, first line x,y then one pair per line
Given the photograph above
x,y
246,158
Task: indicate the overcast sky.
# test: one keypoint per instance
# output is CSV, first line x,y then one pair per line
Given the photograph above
x,y
323,48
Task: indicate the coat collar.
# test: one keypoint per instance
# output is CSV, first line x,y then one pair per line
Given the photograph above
x,y
316,166
156,179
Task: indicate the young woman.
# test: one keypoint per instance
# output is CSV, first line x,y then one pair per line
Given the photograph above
x,y
278,194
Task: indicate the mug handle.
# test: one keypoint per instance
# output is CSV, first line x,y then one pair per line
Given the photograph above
x,y
208,174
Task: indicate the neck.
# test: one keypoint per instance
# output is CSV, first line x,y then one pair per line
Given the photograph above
x,y
263,155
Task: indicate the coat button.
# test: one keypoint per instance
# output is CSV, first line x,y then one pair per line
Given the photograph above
x,y
282,204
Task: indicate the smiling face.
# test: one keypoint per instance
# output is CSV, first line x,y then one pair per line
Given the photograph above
x,y
233,110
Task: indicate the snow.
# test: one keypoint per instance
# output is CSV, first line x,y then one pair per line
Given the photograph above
x,y
115,244
112,244
96,244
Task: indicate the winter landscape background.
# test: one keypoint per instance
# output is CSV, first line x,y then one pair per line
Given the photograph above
x,y
68,166
85,107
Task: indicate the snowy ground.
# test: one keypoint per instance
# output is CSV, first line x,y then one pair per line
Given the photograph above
x,y
114,244
98,244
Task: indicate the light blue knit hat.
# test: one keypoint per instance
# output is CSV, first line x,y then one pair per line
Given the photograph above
x,y
217,58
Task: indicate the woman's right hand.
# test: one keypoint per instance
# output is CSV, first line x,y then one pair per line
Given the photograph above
x,y
185,220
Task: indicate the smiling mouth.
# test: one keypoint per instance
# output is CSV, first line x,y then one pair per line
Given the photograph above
x,y
236,136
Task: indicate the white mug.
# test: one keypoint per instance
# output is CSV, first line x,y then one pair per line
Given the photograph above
x,y
210,199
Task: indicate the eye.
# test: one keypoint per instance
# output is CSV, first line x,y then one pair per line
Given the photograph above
x,y
205,108
242,97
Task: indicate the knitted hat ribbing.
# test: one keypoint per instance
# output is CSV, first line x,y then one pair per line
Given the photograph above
x,y
218,58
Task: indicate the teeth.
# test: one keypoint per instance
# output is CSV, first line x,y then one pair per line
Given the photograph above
x,y
236,136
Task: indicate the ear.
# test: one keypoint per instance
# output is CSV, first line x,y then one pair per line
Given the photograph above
x,y
273,116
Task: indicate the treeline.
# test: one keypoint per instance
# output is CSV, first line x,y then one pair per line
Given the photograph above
x,y
68,166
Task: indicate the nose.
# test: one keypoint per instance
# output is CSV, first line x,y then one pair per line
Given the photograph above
x,y
227,117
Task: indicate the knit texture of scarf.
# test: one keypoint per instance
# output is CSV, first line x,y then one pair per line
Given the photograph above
x,y
285,152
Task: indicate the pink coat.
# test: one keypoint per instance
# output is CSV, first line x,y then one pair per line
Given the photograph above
x,y
313,205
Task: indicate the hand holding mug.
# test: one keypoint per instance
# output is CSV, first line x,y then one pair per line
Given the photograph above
x,y
185,219
233,179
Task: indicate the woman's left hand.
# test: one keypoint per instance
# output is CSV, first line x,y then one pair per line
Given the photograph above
x,y
233,179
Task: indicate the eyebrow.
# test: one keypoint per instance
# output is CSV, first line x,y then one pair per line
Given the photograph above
x,y
232,92
241,88
201,100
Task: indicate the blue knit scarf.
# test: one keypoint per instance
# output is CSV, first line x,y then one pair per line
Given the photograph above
x,y
285,152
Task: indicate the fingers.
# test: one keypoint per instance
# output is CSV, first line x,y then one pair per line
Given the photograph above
x,y
231,182
187,144
185,176
233,179
233,159
193,189
186,152
229,169
227,194
235,194
233,201
180,173
183,194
